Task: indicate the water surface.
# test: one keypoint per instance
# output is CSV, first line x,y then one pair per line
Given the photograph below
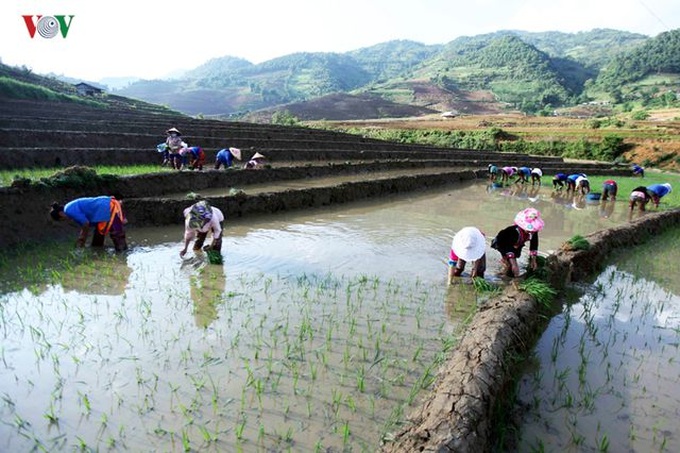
x,y
317,332
605,373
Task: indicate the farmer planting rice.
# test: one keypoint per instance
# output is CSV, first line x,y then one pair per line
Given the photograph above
x,y
638,171
536,174
199,220
510,241
571,181
640,196
226,157
493,172
657,191
468,245
559,180
523,174
506,172
195,155
256,162
609,189
105,212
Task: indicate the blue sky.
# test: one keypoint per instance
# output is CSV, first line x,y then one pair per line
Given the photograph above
x,y
153,39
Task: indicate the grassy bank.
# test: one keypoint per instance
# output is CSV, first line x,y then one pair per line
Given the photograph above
x,y
35,174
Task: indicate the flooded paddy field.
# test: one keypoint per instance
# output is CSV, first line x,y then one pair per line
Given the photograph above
x,y
604,376
316,333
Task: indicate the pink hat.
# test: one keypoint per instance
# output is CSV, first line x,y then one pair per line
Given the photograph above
x,y
529,220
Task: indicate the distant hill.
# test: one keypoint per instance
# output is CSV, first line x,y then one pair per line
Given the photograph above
x,y
342,106
647,71
511,70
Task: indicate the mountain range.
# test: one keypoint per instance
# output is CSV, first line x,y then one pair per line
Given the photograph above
x,y
505,70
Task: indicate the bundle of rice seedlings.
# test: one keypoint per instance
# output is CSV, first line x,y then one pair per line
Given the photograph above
x,y
539,290
577,242
214,257
483,286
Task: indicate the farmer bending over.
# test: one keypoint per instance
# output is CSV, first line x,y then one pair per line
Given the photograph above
x,y
105,212
200,219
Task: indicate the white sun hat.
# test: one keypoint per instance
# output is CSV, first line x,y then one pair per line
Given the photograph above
x,y
469,244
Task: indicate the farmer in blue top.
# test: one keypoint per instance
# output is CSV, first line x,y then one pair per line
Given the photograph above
x,y
559,180
105,212
571,181
659,190
523,174
226,157
638,171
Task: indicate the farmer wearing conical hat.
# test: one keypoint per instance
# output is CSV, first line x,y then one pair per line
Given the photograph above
x,y
105,212
175,143
226,157
256,162
511,240
200,219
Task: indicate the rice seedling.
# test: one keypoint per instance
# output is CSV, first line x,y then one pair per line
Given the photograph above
x,y
577,242
541,291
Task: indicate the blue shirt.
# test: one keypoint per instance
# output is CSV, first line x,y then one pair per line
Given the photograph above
x,y
90,209
195,151
225,156
658,189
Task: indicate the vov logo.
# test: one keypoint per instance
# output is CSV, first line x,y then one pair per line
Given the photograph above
x,y
48,26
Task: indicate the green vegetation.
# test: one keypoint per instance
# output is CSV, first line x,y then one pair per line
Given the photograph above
x,y
609,148
285,118
214,257
482,286
578,242
28,176
540,290
16,89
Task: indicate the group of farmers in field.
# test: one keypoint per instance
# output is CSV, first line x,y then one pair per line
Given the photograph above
x,y
105,214
469,244
579,183
178,155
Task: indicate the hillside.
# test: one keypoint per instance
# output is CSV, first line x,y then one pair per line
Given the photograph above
x,y
530,72
21,83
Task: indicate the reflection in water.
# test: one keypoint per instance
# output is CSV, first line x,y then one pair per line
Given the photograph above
x,y
606,208
103,273
608,374
206,287
461,301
